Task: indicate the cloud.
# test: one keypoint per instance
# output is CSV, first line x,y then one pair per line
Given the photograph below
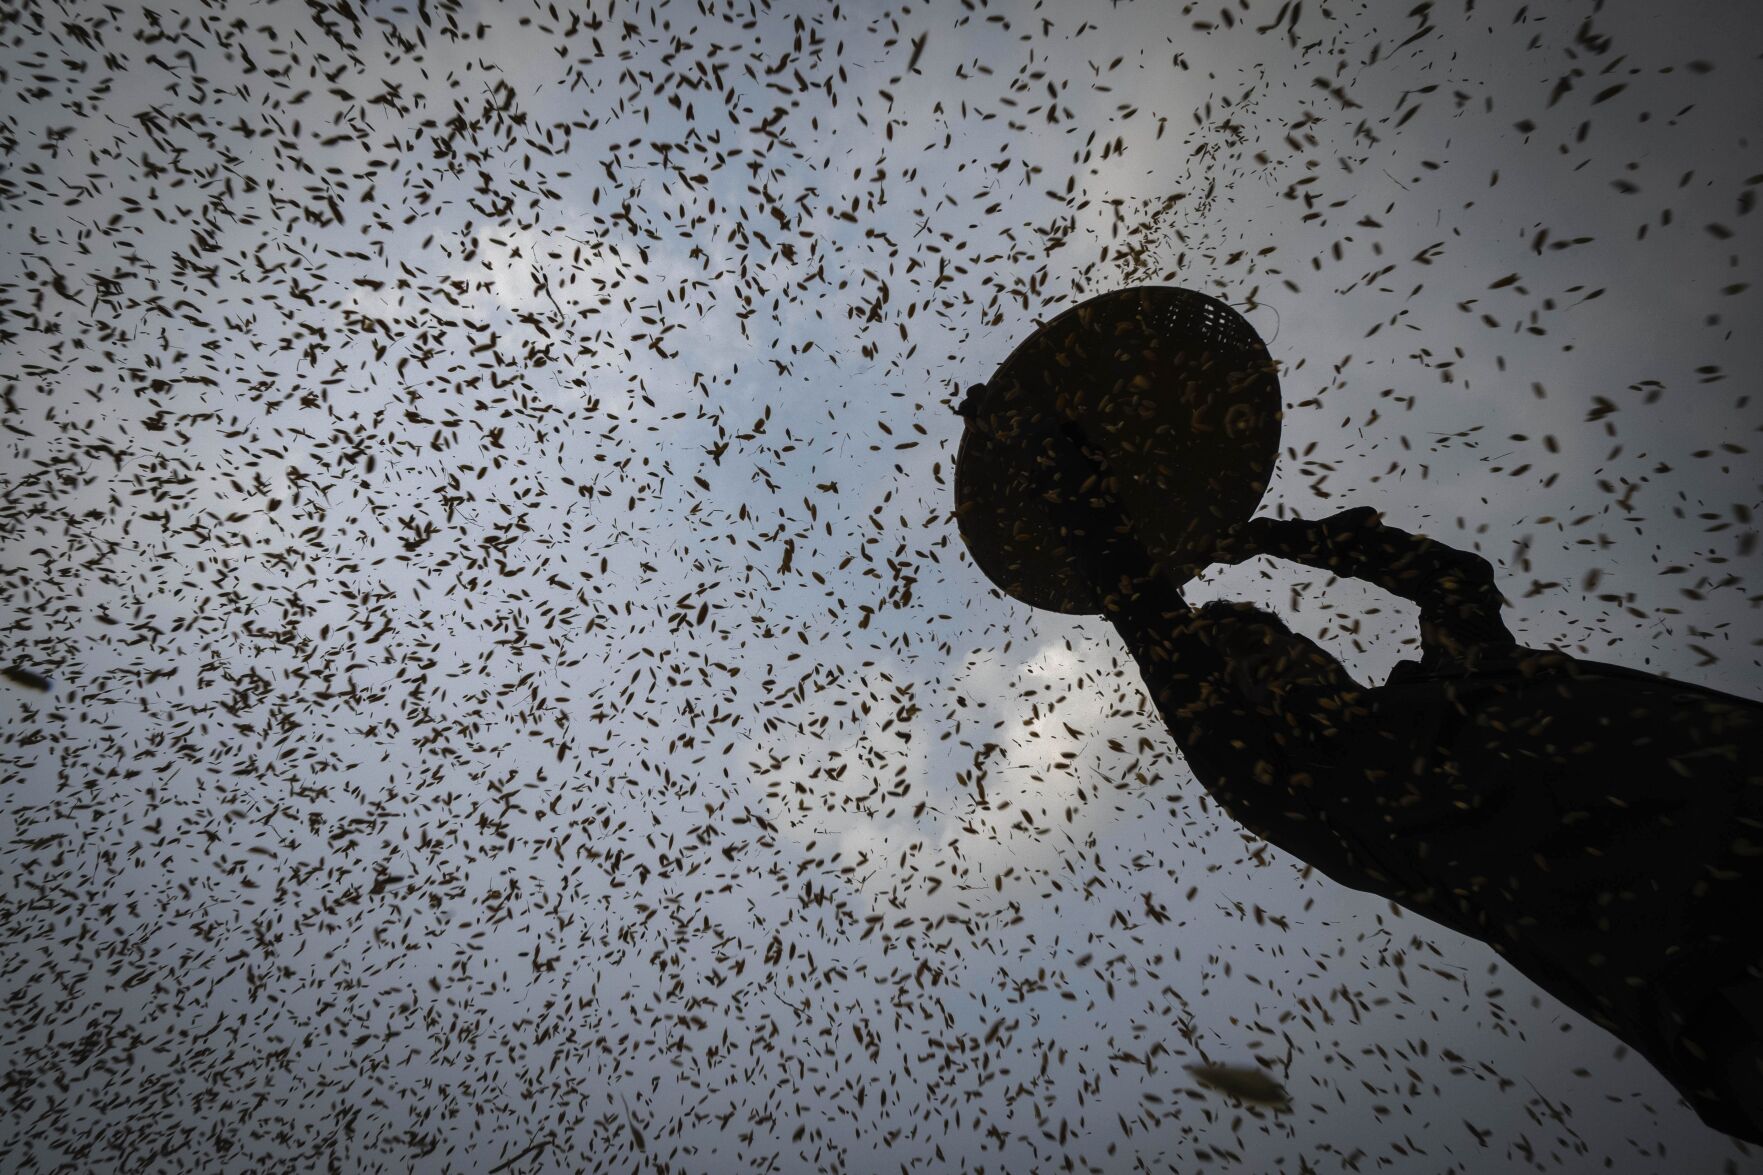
x,y
1048,745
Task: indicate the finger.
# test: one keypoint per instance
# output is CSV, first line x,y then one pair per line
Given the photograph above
x,y
1357,517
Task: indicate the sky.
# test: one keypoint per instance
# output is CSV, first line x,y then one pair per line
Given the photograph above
x,y
478,483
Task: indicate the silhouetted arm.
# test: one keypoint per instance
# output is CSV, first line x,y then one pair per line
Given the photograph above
x,y
1230,743
1216,676
1273,768
1459,603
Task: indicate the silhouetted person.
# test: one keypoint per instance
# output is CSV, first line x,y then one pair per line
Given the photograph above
x,y
1599,827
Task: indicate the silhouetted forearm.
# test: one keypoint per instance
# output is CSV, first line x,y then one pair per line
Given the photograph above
x,y
1236,749
1459,602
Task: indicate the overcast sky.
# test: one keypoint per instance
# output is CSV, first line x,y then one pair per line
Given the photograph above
x,y
479,483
